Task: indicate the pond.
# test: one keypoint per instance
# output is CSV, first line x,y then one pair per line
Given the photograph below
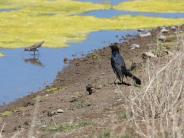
x,y
7,10
22,73
113,13
113,2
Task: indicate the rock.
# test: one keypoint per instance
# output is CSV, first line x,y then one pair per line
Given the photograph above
x,y
77,64
15,129
90,89
29,103
140,30
148,55
118,100
26,123
162,38
52,113
88,104
99,86
164,30
145,34
134,46
168,52
43,126
65,60
173,28
60,111
74,99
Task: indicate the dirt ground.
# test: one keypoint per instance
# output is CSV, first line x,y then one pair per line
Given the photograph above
x,y
66,110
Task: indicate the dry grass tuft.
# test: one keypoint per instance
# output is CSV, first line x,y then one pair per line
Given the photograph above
x,y
157,110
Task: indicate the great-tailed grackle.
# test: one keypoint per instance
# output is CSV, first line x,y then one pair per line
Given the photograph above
x,y
119,67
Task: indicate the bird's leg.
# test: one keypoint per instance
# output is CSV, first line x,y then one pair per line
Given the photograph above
x,y
115,80
121,81
34,56
38,53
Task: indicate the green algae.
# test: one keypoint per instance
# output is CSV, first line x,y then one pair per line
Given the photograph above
x,y
68,127
52,90
6,113
156,6
1,55
55,23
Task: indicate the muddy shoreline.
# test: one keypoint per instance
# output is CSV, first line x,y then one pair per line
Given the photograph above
x,y
62,76
68,91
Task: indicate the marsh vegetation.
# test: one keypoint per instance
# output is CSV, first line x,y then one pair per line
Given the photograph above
x,y
58,22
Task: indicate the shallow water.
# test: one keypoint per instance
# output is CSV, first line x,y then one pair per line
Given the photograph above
x,y
113,13
113,2
22,74
8,10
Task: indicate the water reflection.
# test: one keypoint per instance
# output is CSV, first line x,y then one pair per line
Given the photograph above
x,y
34,61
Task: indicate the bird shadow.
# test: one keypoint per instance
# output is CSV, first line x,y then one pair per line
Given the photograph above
x,y
123,83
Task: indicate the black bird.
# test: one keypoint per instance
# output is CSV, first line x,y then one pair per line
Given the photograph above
x,y
34,47
119,67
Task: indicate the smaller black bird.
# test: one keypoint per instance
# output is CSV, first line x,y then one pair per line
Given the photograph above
x,y
119,67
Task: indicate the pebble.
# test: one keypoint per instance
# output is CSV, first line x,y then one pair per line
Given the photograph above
x,y
140,30
99,86
169,52
148,55
60,111
89,89
145,34
65,60
52,113
173,28
134,46
162,38
164,30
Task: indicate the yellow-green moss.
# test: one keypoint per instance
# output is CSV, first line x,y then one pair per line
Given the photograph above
x,y
54,90
19,109
68,127
1,55
19,31
158,6
39,20
63,7
1,119
6,113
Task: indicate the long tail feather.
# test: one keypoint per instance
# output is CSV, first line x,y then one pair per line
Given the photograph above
x,y
136,79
